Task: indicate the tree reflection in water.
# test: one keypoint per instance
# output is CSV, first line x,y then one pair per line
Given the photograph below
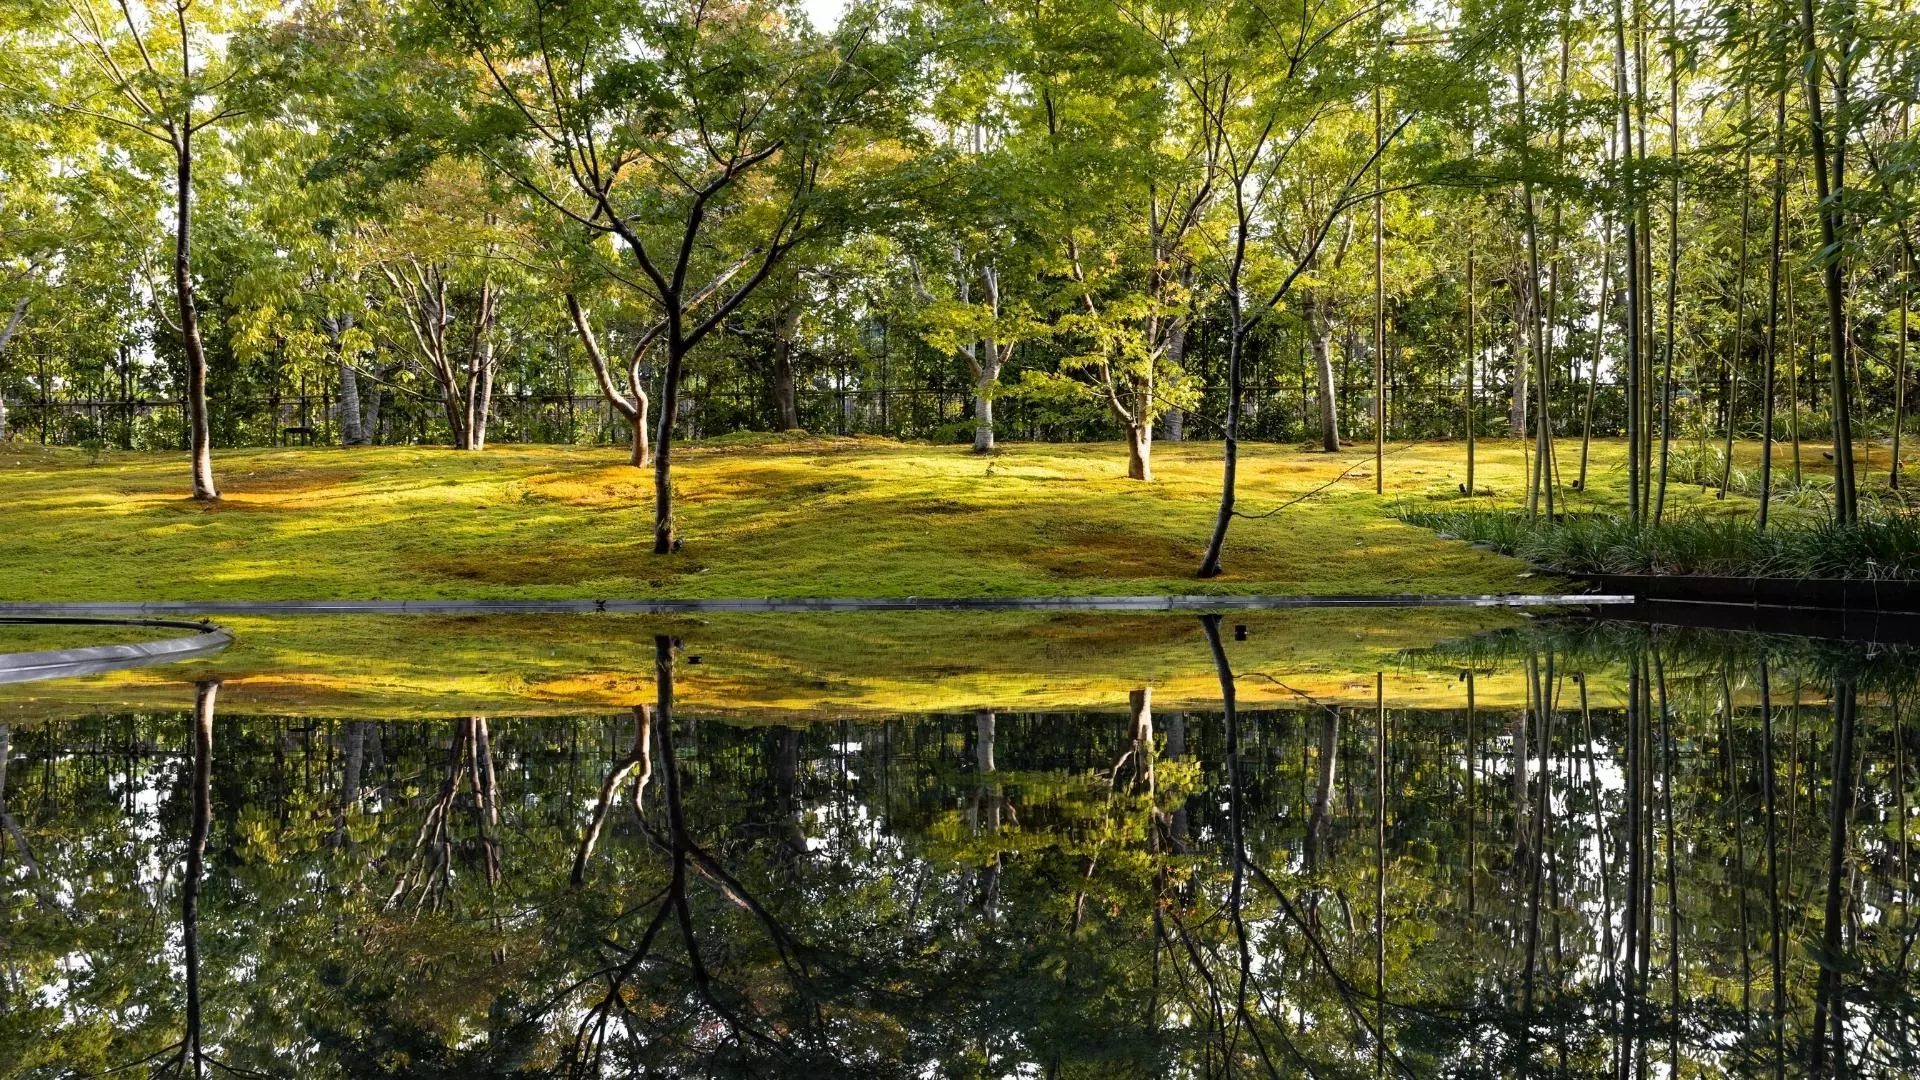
x,y
1672,851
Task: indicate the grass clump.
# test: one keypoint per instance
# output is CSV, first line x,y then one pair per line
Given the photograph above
x,y
1882,548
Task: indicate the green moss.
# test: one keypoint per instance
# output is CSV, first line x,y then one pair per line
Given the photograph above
x,y
785,665
776,516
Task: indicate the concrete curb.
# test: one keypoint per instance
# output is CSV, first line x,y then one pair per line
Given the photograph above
x,y
92,660
684,607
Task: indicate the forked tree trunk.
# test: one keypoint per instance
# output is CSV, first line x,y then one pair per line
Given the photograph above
x,y
633,409
987,361
199,433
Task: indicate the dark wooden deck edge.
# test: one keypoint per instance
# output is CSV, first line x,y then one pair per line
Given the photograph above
x,y
1864,627
684,607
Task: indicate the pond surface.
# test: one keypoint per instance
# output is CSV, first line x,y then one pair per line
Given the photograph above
x,y
1559,848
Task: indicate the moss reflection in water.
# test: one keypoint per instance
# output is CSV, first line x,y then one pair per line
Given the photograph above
x,y
1636,864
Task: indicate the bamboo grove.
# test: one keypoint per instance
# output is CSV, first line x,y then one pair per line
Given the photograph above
x,y
1683,224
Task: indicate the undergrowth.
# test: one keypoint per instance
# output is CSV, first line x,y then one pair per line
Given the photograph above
x,y
1885,547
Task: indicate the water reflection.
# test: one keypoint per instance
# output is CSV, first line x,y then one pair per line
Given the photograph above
x,y
1677,852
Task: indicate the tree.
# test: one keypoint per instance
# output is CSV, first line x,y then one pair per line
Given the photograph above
x,y
1122,175
447,253
1828,137
169,73
707,157
1260,115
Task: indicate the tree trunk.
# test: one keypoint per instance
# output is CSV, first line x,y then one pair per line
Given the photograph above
x,y
1673,274
458,412
6,337
370,413
352,431
1522,317
1770,345
641,453
633,409
1830,174
1174,423
1599,342
199,433
482,399
664,541
1319,333
1379,309
1740,306
1210,565
1634,300
1899,374
1540,485
1470,415
1140,451
988,376
786,405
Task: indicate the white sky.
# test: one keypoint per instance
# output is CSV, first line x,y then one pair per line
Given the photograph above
x,y
824,14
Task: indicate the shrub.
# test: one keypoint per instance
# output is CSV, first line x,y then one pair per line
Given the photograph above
x,y
1884,547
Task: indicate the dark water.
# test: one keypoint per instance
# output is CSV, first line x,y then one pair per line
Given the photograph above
x,y
1675,852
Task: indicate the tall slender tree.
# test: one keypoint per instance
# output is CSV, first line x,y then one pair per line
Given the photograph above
x,y
171,74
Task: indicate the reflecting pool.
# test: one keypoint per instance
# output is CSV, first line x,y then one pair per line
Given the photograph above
x,y
920,846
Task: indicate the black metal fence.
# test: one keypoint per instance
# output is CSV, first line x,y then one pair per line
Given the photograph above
x,y
1270,412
